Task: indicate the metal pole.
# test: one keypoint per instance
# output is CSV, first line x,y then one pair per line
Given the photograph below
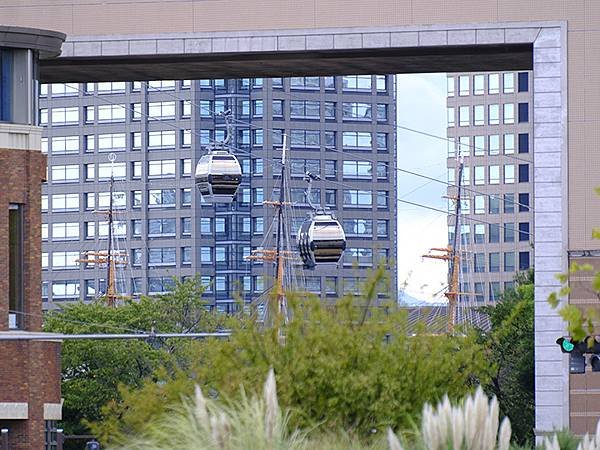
x,y
4,438
60,439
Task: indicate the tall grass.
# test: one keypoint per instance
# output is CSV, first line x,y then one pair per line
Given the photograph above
x,y
258,423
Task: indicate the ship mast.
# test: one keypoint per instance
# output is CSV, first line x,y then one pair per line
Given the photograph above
x,y
109,257
452,255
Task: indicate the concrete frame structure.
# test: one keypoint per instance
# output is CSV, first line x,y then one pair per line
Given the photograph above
x,y
560,225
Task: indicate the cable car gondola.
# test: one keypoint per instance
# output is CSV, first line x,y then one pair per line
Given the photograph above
x,y
218,173
321,238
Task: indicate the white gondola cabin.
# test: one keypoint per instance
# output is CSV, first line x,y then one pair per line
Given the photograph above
x,y
218,175
321,240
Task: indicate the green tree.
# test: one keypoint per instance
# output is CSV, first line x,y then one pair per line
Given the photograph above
x,y
343,367
511,348
93,370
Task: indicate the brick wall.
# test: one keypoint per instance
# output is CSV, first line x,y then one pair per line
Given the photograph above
x,y
21,174
30,370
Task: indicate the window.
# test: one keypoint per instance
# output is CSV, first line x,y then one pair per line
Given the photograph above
x,y
186,167
382,228
479,175
382,199
311,83
116,170
257,108
463,85
509,144
357,139
65,231
161,169
357,111
65,174
299,167
479,204
357,83
136,112
479,145
509,203
164,256
62,290
380,83
355,198
358,257
523,202
382,112
494,174
509,113
111,113
382,170
205,255
331,197
305,109
450,86
494,233
161,139
523,260
65,116
357,170
136,140
494,262
494,114
479,262
16,264
161,110
523,112
493,83
509,261
186,197
65,202
119,200
64,145
509,232
523,82
478,84
136,228
508,81
523,173
161,198
478,115
382,142
277,106
159,285
258,196
64,90
465,234
479,290
358,227
451,121
161,85
161,227
114,142
523,231
494,144
305,138
523,142
65,260
463,116
509,173
186,226
479,233
186,108
494,205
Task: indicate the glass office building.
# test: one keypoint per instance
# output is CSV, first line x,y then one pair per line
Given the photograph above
x,y
491,131
341,129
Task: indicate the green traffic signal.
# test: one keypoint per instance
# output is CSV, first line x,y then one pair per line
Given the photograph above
x,y
566,346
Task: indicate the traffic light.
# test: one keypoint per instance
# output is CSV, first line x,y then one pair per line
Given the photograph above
x,y
595,362
576,362
566,344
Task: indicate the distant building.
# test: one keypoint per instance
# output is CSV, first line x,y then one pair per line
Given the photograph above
x,y
490,127
341,129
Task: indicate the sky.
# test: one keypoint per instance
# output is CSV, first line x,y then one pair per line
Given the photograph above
x,y
421,106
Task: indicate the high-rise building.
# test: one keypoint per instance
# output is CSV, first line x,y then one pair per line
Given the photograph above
x,y
490,128
341,129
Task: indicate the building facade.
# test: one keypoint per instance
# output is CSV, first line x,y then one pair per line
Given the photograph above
x,y
30,399
491,132
341,129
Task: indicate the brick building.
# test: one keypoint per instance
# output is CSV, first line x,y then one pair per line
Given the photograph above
x,y
30,370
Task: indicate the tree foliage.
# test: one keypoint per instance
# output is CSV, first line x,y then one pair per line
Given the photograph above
x,y
338,367
93,370
511,348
